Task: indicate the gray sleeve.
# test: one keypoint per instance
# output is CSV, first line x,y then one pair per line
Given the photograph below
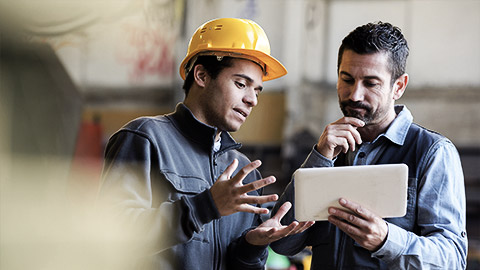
x,y
127,193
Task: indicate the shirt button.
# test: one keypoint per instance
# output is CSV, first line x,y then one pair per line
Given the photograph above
x,y
464,234
361,154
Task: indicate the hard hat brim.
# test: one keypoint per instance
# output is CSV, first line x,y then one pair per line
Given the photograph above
x,y
274,69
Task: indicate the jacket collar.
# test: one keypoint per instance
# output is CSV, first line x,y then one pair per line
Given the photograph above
x,y
203,134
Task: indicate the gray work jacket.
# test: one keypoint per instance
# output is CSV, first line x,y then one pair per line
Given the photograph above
x,y
157,174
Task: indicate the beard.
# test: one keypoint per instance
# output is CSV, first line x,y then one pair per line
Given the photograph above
x,y
220,116
220,122
349,107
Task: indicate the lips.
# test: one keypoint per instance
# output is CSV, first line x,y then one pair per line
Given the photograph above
x,y
243,113
356,108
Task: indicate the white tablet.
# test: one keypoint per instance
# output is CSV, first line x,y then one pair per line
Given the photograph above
x,y
380,188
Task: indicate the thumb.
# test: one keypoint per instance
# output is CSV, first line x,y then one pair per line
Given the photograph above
x,y
282,211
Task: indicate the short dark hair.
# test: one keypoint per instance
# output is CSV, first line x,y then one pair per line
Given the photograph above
x,y
378,37
212,65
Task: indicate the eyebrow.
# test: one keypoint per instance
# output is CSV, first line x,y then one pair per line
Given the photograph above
x,y
250,80
373,77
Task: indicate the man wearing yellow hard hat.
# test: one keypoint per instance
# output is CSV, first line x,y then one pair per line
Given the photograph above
x,y
181,176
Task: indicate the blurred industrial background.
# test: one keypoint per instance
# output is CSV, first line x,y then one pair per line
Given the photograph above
x,y
73,72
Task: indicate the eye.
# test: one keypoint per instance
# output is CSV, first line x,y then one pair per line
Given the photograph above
x,y
240,85
370,84
348,80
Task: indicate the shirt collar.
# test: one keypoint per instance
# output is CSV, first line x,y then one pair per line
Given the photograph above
x,y
397,131
197,131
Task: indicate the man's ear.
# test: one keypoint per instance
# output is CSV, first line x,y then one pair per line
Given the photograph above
x,y
399,86
200,75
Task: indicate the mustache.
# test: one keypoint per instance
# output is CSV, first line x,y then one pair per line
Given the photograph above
x,y
355,104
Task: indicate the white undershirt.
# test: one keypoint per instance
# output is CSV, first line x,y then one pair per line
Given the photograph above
x,y
217,144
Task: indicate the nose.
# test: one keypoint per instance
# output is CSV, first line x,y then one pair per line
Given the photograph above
x,y
357,92
250,97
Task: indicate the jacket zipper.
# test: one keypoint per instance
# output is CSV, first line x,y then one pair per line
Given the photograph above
x,y
216,223
216,249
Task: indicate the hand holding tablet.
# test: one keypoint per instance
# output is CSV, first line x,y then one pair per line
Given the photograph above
x,y
380,188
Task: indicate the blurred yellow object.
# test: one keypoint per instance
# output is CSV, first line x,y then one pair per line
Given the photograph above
x,y
307,261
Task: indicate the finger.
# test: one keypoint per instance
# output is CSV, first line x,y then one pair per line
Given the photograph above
x,y
256,185
348,217
349,136
343,143
299,228
351,121
227,174
352,140
357,208
352,124
271,233
334,139
345,226
303,226
285,230
257,199
357,137
246,170
341,214
295,227
282,211
252,209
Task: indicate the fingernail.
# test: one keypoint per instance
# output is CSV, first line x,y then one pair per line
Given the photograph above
x,y
331,211
343,201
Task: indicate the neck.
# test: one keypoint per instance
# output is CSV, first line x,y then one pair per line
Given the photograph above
x,y
371,131
192,106
217,137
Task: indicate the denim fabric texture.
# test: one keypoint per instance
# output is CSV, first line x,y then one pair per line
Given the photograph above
x,y
432,235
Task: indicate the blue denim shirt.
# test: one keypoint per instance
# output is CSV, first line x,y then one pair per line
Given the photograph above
x,y
432,234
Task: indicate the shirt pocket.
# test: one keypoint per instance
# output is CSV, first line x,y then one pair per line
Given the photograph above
x,y
187,185
184,185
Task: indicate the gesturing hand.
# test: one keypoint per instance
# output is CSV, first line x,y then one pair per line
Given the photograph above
x,y
272,230
230,195
366,228
339,136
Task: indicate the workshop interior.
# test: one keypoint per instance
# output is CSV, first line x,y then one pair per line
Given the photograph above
x,y
74,72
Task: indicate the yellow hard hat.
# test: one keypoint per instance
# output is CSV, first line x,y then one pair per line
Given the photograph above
x,y
240,38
